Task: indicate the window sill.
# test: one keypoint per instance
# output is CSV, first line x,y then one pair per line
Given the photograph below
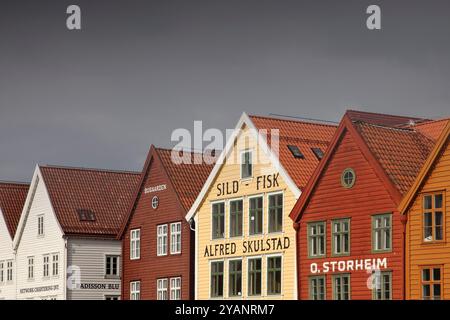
x,y
435,242
112,277
381,251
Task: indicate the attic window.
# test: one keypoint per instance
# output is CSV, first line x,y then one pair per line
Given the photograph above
x,y
296,152
86,215
318,152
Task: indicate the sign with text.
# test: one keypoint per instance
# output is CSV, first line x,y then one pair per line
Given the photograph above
x,y
262,182
349,265
247,247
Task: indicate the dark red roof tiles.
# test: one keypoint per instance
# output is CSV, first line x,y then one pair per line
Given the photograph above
x,y
305,135
400,152
12,199
187,179
106,193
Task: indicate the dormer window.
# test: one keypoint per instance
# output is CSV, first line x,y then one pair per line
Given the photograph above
x,y
296,152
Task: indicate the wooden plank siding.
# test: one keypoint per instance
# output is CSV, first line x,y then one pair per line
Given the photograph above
x,y
151,267
366,198
420,253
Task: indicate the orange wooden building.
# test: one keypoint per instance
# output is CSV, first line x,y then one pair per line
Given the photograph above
x,y
427,209
350,234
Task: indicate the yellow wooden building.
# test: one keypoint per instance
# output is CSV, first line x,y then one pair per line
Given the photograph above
x,y
426,207
245,246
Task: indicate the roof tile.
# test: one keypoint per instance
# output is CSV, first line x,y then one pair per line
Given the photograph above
x,y
12,199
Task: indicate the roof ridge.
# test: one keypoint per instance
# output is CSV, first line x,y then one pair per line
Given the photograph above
x,y
89,169
14,183
312,122
184,150
386,114
431,121
405,129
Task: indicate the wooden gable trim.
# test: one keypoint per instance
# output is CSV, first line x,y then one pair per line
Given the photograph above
x,y
425,171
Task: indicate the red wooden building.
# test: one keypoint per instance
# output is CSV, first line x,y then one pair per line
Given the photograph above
x,y
350,235
157,240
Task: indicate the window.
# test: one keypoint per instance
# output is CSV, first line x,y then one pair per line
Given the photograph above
x,y
433,217
9,271
316,236
30,268
274,275
254,277
135,244
256,215
2,272
348,178
55,264
162,289
341,287
112,266
218,220
382,232
236,207
276,212
296,152
317,288
318,153
383,286
162,240
432,283
46,265
135,290
216,279
235,278
246,165
341,237
86,215
175,288
112,297
155,202
175,238
40,225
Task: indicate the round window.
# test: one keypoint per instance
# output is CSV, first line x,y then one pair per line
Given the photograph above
x,y
348,178
155,202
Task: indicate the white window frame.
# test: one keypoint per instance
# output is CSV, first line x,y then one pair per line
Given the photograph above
x,y
263,218
2,272
55,264
266,270
162,289
269,194
162,239
117,273
175,238
135,290
9,271
135,244
241,153
40,225
46,266
31,268
263,274
175,288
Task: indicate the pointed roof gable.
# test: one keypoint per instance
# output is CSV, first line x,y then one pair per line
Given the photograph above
x,y
12,199
392,146
439,147
294,171
105,193
186,179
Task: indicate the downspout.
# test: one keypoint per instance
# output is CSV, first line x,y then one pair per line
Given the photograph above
x,y
65,266
404,220
297,257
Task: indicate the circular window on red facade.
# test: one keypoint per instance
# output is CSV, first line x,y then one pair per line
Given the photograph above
x,y
348,178
155,202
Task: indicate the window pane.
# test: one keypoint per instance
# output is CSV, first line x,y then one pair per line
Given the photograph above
x,y
427,202
426,275
438,201
437,291
426,291
436,274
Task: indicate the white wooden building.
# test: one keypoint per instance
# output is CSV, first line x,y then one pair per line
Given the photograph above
x,y
65,243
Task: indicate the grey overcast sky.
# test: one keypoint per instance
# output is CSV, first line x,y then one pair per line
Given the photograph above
x,y
139,69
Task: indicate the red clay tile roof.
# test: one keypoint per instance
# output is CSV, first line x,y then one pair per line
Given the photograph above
x,y
12,199
305,135
432,129
382,119
400,152
106,193
187,179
